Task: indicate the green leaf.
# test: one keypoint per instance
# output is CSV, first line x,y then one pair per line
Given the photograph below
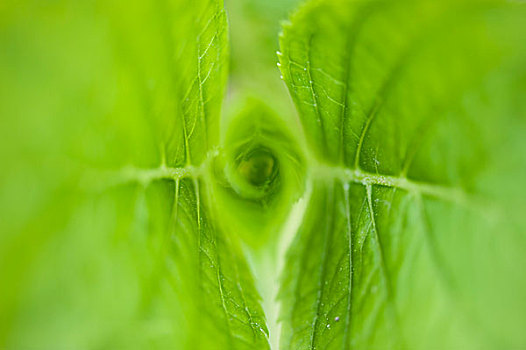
x,y
414,233
110,233
257,210
127,208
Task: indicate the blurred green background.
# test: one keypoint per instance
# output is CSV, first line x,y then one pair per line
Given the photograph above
x,y
254,27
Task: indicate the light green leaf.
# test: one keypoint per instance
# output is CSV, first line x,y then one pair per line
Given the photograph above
x,y
110,237
414,233
260,173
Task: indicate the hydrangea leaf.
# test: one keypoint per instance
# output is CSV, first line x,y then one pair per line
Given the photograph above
x,y
414,233
109,234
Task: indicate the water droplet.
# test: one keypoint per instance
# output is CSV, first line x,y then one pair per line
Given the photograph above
x,y
279,64
337,318
328,326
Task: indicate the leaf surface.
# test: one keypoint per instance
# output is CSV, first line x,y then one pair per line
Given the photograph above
x,y
112,112
413,232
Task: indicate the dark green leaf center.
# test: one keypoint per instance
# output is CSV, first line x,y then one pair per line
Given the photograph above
x,y
258,167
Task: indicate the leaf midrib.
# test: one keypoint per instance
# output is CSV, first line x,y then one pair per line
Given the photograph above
x,y
451,194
